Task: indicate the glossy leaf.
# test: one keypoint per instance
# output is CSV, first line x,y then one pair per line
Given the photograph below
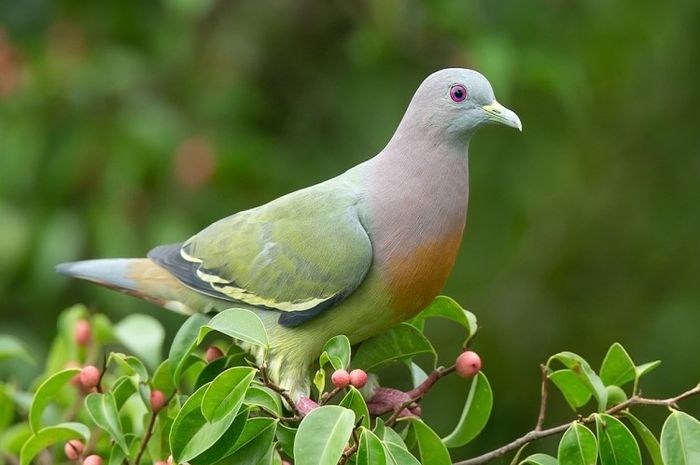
x,y
225,394
163,377
103,411
12,438
184,342
646,368
237,323
398,454
263,397
191,434
617,367
143,335
336,352
354,401
647,437
46,392
224,446
475,415
399,343
253,444
285,436
616,444
322,435
417,373
584,371
211,371
577,446
575,391
680,439
540,459
122,389
431,449
370,449
131,365
448,308
52,435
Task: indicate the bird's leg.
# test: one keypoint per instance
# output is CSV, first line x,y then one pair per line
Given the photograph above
x,y
305,405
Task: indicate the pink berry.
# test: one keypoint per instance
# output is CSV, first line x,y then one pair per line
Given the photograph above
x,y
161,462
158,400
358,378
340,378
286,462
90,376
83,333
468,364
213,353
92,460
73,449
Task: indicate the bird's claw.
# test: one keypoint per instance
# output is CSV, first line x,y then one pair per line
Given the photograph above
x,y
387,400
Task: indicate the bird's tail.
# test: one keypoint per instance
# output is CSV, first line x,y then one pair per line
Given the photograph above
x,y
139,277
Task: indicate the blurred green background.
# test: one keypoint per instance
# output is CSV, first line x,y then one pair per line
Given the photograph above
x,y
125,124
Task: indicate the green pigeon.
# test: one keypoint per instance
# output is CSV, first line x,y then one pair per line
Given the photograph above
x,y
354,255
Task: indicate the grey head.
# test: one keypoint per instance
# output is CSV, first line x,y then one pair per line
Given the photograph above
x,y
454,102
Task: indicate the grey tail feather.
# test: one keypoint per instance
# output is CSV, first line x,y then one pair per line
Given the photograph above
x,y
109,272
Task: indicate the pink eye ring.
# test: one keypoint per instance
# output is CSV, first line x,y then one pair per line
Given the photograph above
x,y
458,93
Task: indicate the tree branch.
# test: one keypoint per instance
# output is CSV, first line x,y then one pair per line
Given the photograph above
x,y
534,435
543,399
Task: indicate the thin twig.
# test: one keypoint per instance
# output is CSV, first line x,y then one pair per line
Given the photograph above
x,y
543,399
534,435
326,396
279,390
274,414
146,438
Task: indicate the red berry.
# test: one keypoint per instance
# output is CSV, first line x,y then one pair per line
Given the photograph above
x,y
340,378
90,376
73,449
158,400
213,353
468,364
161,462
92,460
358,378
285,462
83,333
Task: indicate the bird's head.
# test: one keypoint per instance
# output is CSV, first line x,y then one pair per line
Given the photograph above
x,y
458,101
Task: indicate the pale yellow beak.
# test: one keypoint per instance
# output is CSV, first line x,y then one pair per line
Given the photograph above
x,y
500,114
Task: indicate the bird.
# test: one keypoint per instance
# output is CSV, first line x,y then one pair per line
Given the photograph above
x,y
356,254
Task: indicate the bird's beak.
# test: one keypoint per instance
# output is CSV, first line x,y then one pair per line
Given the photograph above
x,y
500,114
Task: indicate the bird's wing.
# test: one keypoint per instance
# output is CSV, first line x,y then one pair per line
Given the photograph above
x,y
299,254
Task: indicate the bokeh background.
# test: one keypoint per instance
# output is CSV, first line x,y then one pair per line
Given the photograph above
x,y
126,124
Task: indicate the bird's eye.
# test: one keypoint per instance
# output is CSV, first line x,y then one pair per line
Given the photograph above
x,y
458,92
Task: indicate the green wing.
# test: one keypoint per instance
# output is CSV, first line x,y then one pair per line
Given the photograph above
x,y
299,254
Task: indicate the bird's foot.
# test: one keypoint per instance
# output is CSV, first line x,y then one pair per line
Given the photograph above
x,y
387,400
305,405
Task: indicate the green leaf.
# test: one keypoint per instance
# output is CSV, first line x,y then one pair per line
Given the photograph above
x,y
575,391
52,435
417,373
237,323
285,436
223,447
46,392
399,343
122,389
163,377
539,459
103,411
370,449
583,370
645,368
617,367
211,371
430,447
577,446
322,435
131,365
262,396
10,347
354,401
647,437
477,410
225,394
446,307
398,454
680,440
616,395
616,444
183,344
336,352
7,408
12,438
253,444
143,335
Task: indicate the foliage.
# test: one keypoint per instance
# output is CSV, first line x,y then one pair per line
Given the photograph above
x,y
225,410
